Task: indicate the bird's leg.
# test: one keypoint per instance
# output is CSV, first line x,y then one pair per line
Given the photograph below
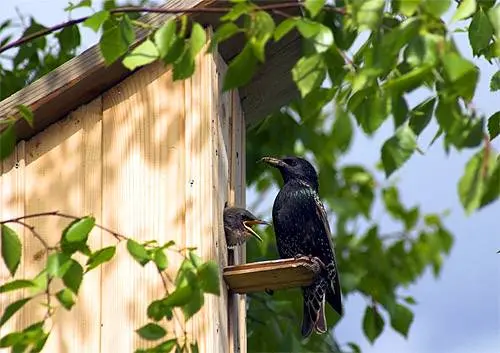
x,y
269,291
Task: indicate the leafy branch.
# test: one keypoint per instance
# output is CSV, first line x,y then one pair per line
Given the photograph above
x,y
194,279
135,9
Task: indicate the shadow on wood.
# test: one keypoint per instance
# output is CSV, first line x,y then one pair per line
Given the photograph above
x,y
270,275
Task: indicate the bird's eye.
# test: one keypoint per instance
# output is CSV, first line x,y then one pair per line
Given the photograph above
x,y
291,162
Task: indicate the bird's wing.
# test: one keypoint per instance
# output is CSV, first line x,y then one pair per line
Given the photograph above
x,y
321,212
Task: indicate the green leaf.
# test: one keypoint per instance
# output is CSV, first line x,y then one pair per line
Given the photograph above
x,y
309,73
11,249
41,282
368,13
354,347
284,28
99,257
95,21
314,6
160,259
492,189
421,115
237,11
16,284
7,141
194,348
73,276
436,8
151,332
401,319
480,32
11,339
323,40
69,38
143,54
241,69
399,110
83,3
342,130
208,275
494,16
410,300
198,38
185,66
195,303
260,31
181,296
408,81
495,82
462,74
223,32
370,108
116,39
165,37
494,125
390,196
79,230
408,7
398,149
308,28
472,183
138,252
26,113
12,309
464,10
167,346
65,297
373,324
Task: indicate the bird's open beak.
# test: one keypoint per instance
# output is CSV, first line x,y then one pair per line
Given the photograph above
x,y
248,225
275,162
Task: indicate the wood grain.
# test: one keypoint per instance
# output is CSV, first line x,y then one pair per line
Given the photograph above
x,y
275,274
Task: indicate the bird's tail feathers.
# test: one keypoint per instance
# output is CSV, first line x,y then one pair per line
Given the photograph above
x,y
314,309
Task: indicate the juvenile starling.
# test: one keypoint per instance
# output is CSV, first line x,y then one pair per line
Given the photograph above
x,y
302,229
238,224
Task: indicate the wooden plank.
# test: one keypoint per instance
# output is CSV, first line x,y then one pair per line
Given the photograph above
x,y
12,179
143,195
275,274
275,76
221,185
63,173
77,81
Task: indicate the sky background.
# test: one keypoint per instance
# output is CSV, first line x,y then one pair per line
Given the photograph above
x,y
460,311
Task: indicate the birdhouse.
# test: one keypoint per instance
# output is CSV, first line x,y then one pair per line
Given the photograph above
x,y
150,158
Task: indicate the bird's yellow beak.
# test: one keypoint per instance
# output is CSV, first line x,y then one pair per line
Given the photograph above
x,y
248,225
275,162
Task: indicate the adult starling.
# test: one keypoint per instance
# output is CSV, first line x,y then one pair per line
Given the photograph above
x,y
238,224
302,229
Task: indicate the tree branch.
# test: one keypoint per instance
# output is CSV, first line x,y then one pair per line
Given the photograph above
x,y
135,9
118,236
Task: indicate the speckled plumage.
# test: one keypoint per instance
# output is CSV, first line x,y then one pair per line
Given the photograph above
x,y
235,230
301,228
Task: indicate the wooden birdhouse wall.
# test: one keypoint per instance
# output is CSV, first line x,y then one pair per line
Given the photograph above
x,y
151,159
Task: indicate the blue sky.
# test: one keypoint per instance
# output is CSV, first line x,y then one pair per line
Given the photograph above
x,y
459,312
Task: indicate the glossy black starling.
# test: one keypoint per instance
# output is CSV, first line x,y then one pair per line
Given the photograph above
x,y
302,229
238,224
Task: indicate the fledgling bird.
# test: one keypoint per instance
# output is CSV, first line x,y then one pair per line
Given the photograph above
x,y
301,228
238,224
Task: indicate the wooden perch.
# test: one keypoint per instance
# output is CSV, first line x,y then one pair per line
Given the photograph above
x,y
275,274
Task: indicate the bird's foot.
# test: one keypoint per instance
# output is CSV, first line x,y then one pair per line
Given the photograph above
x,y
317,263
269,291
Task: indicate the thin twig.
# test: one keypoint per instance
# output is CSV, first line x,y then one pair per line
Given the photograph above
x,y
164,275
32,230
134,9
118,236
